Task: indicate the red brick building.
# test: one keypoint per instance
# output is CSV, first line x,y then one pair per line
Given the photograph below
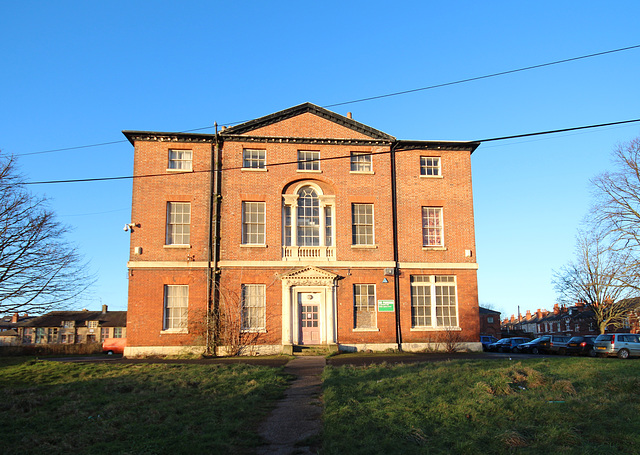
x,y
321,229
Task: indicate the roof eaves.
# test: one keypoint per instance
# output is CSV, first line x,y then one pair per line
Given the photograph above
x,y
436,145
158,136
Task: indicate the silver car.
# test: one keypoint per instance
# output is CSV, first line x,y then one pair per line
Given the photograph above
x,y
621,344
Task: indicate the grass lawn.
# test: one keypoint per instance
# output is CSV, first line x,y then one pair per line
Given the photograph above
x,y
51,407
527,406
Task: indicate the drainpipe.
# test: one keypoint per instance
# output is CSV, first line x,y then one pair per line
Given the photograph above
x,y
396,270
209,253
213,247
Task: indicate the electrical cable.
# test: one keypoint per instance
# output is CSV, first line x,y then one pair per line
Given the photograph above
x,y
404,92
471,79
501,138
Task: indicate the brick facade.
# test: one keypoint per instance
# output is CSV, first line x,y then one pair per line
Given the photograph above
x,y
299,263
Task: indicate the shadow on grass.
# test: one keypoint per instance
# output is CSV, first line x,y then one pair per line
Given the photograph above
x,y
135,409
533,406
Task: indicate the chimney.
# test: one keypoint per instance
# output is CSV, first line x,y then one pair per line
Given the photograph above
x,y
14,318
349,115
528,315
104,309
556,309
513,318
539,313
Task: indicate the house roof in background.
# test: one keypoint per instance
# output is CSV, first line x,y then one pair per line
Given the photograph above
x,y
56,318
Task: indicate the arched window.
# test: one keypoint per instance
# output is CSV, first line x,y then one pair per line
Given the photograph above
x,y
308,217
308,224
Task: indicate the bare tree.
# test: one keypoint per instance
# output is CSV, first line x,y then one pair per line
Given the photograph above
x,y
39,269
223,331
617,193
232,335
597,276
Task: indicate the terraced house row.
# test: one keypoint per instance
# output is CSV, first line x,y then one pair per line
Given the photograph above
x,y
303,227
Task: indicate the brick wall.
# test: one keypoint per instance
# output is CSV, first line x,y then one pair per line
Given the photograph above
x,y
184,265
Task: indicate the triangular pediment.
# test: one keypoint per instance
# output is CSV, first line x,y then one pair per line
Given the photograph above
x,y
309,272
307,121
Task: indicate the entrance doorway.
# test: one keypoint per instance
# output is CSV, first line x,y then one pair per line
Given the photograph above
x,y
309,303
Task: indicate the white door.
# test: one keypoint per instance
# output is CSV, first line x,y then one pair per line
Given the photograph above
x,y
309,307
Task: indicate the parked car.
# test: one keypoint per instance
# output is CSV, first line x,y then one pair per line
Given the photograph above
x,y
507,344
114,345
582,345
486,340
621,344
533,346
555,344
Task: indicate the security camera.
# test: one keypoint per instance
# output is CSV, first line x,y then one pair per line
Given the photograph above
x,y
130,226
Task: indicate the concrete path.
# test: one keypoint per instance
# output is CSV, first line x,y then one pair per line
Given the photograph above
x,y
291,427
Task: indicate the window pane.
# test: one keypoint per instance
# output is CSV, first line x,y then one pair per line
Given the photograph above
x,y
180,159
176,306
429,166
432,226
328,236
178,223
253,223
360,162
440,311
308,217
364,306
362,224
308,160
420,302
254,159
253,306
446,305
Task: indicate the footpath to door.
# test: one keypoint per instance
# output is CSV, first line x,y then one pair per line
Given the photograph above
x,y
294,425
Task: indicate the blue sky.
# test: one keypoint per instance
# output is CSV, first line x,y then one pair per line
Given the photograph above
x,y
77,73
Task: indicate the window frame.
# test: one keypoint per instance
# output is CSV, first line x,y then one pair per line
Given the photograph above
x,y
249,161
308,217
291,227
369,307
355,162
439,227
357,225
256,295
178,303
307,164
247,236
435,285
172,237
179,161
427,166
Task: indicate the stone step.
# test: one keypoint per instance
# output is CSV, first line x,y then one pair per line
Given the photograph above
x,y
322,350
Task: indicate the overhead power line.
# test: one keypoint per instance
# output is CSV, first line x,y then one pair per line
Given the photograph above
x,y
404,92
487,76
564,130
501,138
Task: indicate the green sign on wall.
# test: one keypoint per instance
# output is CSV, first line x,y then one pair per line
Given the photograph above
x,y
385,305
